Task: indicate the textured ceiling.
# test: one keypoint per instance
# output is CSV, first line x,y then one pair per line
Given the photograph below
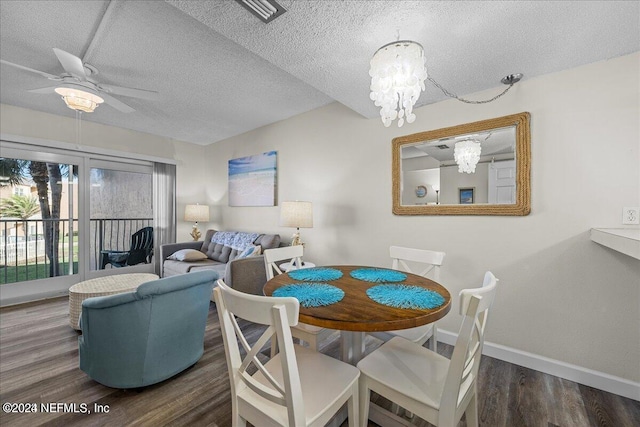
x,y
221,72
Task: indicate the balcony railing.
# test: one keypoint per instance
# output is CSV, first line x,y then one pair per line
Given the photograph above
x,y
23,255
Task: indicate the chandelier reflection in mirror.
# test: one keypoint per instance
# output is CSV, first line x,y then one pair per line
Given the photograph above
x,y
398,72
467,154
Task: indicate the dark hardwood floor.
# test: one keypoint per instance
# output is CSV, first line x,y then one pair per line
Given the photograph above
x,y
39,364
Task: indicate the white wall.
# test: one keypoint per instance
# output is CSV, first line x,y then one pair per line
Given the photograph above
x,y
412,179
451,181
190,161
560,295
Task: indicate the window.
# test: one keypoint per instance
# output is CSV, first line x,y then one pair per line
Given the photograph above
x,y
77,207
42,226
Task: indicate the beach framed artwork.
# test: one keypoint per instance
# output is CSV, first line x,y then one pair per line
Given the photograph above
x,y
467,195
252,180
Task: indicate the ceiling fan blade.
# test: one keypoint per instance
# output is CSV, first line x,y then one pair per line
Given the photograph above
x,y
115,103
22,67
131,92
50,89
71,64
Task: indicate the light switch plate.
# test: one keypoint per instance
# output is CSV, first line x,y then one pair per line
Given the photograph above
x,y
631,215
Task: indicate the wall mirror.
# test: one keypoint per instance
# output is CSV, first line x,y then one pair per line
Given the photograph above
x,y
479,168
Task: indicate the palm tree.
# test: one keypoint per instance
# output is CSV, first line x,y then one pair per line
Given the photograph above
x,y
12,171
47,177
19,206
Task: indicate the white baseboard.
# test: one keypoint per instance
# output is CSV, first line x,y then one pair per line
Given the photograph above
x,y
578,374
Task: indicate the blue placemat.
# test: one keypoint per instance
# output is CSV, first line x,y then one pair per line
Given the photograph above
x,y
378,275
405,296
315,274
311,294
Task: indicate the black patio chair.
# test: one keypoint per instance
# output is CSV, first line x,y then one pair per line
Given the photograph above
x,y
141,251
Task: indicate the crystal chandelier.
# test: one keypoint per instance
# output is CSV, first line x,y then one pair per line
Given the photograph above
x,y
467,154
398,72
78,99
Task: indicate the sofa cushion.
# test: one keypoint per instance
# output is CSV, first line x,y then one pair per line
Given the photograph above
x,y
234,254
171,267
188,255
218,268
219,252
253,250
268,241
225,246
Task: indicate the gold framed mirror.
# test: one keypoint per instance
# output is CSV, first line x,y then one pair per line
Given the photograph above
x,y
492,157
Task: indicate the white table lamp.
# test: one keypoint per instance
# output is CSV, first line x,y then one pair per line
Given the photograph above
x,y
196,213
296,214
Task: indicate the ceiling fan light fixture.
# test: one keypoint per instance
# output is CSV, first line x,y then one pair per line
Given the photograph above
x,y
78,99
467,155
398,72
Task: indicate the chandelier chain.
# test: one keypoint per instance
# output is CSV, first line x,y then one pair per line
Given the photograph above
x,y
453,95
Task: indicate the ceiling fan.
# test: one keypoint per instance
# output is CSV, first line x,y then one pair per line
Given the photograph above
x,y
80,90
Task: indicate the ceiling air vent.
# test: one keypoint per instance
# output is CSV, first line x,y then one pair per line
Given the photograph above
x,y
266,10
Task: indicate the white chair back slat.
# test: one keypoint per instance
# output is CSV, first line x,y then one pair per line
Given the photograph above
x,y
251,358
433,260
273,256
263,391
407,374
465,362
289,363
466,294
426,271
428,264
249,308
268,311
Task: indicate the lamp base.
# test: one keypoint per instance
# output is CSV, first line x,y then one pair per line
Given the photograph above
x,y
295,239
195,233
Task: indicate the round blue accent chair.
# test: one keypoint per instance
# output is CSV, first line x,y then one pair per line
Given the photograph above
x,y
139,338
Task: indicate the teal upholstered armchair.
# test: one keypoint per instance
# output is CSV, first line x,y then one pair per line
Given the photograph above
x,y
140,338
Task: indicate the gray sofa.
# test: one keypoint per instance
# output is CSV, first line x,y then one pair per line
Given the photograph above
x,y
244,274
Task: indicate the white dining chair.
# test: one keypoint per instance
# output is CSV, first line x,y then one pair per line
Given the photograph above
x,y
429,385
298,387
309,334
430,262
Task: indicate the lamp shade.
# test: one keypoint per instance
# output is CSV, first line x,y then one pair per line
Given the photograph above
x,y
296,214
196,213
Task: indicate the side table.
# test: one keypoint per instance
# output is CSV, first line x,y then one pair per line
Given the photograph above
x,y
286,267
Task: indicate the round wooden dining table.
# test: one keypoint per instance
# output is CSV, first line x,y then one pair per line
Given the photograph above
x,y
357,313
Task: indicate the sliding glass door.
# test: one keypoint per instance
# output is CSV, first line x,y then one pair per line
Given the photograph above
x,y
68,216
121,205
39,223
